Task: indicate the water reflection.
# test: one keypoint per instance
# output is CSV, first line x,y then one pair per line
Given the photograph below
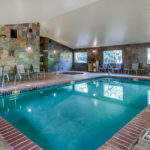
x,y
82,87
97,84
94,94
95,102
7,104
29,109
113,91
68,87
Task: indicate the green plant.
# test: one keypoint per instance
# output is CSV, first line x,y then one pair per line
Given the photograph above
x,y
15,70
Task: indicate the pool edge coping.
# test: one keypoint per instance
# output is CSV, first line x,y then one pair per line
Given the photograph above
x,y
15,139
57,83
129,134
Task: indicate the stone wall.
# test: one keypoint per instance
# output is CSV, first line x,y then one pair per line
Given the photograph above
x,y
24,49
135,53
58,55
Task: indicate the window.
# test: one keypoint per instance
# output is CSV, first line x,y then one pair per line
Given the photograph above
x,y
81,57
114,56
148,56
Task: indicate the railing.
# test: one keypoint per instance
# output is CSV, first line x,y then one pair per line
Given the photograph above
x,y
15,79
110,69
3,80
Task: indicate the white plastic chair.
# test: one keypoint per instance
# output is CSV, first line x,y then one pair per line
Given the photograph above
x,y
20,71
6,70
36,70
135,67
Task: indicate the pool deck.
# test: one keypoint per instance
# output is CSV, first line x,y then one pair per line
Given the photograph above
x,y
129,137
53,79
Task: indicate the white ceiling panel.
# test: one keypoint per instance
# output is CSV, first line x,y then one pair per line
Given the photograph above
x,y
103,23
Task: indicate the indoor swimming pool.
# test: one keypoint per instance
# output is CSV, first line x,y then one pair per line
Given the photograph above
x,y
76,116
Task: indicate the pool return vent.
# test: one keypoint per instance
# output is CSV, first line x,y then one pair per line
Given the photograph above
x,y
146,136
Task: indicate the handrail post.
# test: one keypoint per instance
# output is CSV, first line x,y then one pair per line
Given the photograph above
x,y
3,77
3,80
15,81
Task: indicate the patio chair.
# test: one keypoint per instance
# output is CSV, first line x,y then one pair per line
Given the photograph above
x,y
126,68
104,67
135,68
6,71
141,69
117,68
21,71
36,70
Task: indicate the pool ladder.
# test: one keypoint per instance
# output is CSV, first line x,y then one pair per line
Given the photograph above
x,y
110,70
3,80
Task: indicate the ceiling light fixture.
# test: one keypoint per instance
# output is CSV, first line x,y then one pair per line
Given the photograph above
x,y
29,49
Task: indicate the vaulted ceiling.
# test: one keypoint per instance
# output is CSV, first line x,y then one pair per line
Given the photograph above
x,y
83,23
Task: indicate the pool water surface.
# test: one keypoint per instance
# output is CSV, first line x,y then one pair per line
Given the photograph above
x,y
79,116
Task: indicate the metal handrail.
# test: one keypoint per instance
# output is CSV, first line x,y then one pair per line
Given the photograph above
x,y
110,70
3,80
15,80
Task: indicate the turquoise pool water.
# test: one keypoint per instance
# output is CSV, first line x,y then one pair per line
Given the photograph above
x,y
80,116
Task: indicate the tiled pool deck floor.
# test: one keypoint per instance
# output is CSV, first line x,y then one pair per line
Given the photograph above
x,y
127,138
